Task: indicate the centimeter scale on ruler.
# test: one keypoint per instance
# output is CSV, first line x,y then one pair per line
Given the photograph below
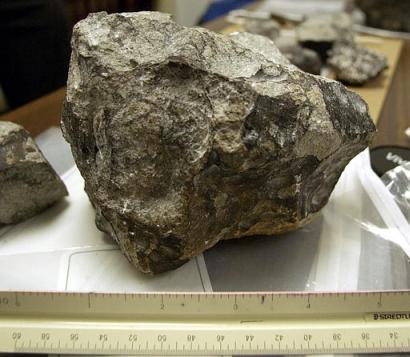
x,y
201,323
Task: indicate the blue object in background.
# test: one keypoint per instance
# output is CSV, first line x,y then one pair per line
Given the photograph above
x,y
222,7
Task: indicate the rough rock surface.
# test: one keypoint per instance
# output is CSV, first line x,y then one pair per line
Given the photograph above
x,y
261,45
356,65
186,137
320,32
28,184
305,59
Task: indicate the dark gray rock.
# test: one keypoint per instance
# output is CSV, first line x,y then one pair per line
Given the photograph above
x,y
186,137
391,15
28,184
320,32
354,64
305,59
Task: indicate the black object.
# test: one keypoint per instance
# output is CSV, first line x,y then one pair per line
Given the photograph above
x,y
385,158
34,48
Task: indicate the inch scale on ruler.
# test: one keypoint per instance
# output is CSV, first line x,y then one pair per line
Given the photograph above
x,y
205,324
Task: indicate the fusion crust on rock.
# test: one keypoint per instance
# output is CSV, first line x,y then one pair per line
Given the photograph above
x,y
186,137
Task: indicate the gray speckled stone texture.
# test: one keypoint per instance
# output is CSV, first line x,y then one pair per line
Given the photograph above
x,y
28,184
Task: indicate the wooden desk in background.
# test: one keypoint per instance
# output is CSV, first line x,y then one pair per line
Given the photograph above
x,y
40,114
395,116
392,112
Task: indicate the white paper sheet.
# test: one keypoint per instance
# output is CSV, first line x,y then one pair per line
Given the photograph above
x,y
61,249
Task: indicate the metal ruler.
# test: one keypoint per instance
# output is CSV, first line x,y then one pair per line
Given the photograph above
x,y
205,324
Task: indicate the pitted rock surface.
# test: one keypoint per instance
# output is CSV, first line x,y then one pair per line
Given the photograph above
x,y
186,137
28,184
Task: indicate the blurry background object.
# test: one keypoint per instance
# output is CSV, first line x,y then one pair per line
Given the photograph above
x,y
194,12
391,15
355,65
269,28
303,7
218,8
320,32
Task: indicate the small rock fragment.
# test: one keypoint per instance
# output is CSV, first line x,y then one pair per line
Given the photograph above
x,y
28,184
186,137
265,27
320,32
354,64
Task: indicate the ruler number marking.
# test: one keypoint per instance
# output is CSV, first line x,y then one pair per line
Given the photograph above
x,y
220,338
394,335
162,338
16,335
307,337
249,338
103,337
133,338
278,338
45,336
365,336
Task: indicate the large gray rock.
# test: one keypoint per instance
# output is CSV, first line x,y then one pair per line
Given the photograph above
x,y
186,137
28,184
